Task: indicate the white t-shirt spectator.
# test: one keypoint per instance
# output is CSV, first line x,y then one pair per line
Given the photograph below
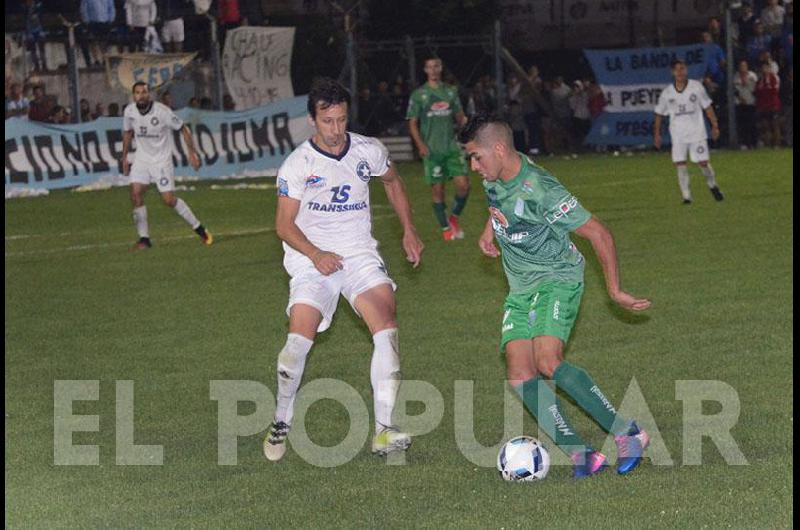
x,y
744,87
772,18
140,13
16,105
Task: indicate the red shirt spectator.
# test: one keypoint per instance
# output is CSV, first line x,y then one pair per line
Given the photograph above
x,y
229,12
768,98
597,101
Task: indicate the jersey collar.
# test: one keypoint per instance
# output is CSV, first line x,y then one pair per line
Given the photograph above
x,y
145,113
338,157
523,169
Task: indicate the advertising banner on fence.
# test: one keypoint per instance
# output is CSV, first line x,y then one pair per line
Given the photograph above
x,y
632,81
230,144
257,62
154,69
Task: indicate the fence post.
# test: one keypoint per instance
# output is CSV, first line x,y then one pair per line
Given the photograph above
x,y
498,69
733,139
216,64
72,68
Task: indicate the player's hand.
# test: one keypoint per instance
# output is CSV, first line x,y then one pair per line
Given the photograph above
x,y
327,262
424,151
194,160
413,246
126,166
715,133
630,302
657,141
486,243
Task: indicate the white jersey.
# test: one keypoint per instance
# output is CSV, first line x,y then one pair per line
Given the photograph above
x,y
153,132
685,111
334,196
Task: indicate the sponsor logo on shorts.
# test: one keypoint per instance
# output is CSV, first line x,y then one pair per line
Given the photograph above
x,y
510,325
532,318
701,149
437,171
315,181
556,309
163,181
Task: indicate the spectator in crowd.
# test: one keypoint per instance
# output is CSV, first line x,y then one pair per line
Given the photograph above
x,y
97,17
561,123
533,107
229,18
113,110
716,61
385,116
17,105
166,98
35,34
172,30
58,115
581,117
766,57
768,106
715,30
788,18
514,111
484,96
597,100
744,87
758,43
85,111
139,15
772,18
228,104
365,122
194,103
41,105
206,103
788,107
399,97
99,111
746,25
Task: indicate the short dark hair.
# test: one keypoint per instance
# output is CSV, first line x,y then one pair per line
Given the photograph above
x,y
139,83
478,123
676,62
326,92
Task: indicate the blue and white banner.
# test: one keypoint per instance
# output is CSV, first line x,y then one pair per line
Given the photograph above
x,y
632,80
230,144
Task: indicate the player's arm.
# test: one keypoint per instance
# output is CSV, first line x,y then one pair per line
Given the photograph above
x,y
194,160
486,241
712,117
288,231
603,244
127,138
413,129
396,193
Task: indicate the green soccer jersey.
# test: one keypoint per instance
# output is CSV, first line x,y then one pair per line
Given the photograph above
x,y
435,109
532,216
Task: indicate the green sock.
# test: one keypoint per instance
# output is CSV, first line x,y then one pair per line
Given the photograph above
x,y
545,406
579,384
441,214
459,203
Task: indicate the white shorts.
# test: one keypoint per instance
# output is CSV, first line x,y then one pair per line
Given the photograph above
x,y
162,175
361,273
172,31
698,151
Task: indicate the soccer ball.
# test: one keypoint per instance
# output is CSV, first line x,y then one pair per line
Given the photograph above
x,y
523,459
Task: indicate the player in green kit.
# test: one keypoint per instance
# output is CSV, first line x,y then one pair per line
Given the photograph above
x,y
431,111
531,217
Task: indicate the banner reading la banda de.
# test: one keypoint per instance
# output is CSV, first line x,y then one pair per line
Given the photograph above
x,y
230,144
632,80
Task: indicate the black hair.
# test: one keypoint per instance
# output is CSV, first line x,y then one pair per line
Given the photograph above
x,y
326,92
477,123
675,63
139,83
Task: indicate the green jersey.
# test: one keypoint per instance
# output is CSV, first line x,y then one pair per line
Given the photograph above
x,y
435,109
532,216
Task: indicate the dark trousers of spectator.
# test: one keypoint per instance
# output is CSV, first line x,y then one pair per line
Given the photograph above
x,y
581,129
223,32
746,125
533,122
136,39
36,47
519,140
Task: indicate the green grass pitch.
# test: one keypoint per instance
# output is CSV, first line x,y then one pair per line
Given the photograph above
x,y
80,306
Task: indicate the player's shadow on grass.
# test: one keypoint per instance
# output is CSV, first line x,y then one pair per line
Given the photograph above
x,y
628,317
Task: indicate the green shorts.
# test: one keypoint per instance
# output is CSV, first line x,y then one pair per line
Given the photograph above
x,y
548,309
440,168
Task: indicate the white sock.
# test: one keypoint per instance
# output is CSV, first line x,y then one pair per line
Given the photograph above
x,y
711,177
182,209
291,363
385,376
140,220
683,181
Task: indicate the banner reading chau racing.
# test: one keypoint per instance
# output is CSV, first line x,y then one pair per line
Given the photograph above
x,y
230,144
632,81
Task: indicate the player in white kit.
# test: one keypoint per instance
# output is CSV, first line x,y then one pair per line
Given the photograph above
x,y
152,124
324,220
685,101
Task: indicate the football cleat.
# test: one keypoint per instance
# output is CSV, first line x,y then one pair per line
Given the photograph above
x,y
687,201
275,442
459,234
718,196
143,244
630,448
205,235
448,234
390,440
587,463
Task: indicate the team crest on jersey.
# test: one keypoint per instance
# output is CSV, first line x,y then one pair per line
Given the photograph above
x,y
498,216
527,187
363,171
315,181
693,98
154,121
671,100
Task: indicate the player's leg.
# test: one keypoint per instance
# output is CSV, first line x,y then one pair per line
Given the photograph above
x,y
138,190
165,180
457,167
434,177
699,154
679,159
378,309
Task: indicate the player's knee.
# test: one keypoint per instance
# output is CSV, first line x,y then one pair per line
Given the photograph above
x,y
516,375
548,365
169,200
